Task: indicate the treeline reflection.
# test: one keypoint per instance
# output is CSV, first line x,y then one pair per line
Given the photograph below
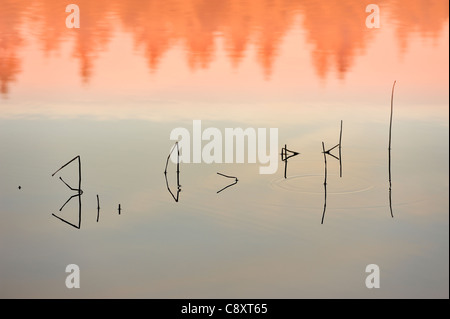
x,y
335,29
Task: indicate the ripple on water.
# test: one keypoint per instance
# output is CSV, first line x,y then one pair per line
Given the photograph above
x,y
313,184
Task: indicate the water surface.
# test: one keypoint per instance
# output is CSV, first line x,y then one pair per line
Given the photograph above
x,y
113,90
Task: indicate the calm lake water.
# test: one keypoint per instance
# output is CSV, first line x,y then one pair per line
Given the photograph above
x,y
114,89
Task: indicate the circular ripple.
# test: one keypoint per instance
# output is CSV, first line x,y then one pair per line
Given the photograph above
x,y
313,184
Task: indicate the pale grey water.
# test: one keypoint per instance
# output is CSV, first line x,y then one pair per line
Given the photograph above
x,y
261,238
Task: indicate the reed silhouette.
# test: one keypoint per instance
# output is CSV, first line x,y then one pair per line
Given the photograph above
x,y
227,176
340,151
285,157
98,208
339,145
78,190
176,198
389,150
339,158
324,182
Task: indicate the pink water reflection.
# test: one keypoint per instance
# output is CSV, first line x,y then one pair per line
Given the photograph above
x,y
334,30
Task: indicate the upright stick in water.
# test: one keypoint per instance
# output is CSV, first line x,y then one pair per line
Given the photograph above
x,y
325,181
98,208
389,150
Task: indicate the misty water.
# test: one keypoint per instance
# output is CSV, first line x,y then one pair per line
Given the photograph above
x,y
112,92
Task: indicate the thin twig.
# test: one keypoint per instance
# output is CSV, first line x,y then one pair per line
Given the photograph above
x,y
80,192
340,151
68,201
73,189
227,186
227,176
63,220
332,155
98,208
285,157
392,112
178,172
66,164
389,149
328,152
325,182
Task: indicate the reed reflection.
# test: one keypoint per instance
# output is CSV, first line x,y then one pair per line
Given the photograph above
x,y
232,184
98,208
334,28
325,153
175,197
324,182
78,194
389,149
